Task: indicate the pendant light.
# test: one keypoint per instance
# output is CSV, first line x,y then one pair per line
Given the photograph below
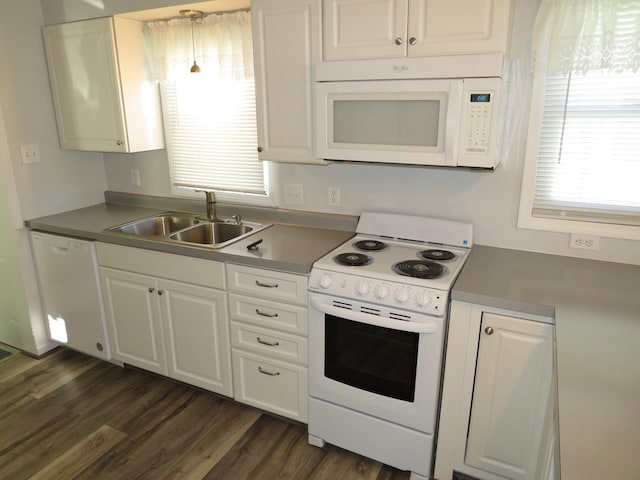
x,y
193,15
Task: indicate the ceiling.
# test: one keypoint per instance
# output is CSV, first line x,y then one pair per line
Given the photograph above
x,y
171,12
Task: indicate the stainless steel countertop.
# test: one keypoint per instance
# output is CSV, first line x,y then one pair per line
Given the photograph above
x,y
291,248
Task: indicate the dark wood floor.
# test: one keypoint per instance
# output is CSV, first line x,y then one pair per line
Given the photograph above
x,y
70,416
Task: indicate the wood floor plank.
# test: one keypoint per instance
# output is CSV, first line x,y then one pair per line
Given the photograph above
x,y
161,448
338,463
81,455
54,377
93,420
15,365
230,423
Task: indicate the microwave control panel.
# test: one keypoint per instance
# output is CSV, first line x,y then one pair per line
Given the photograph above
x,y
480,132
478,122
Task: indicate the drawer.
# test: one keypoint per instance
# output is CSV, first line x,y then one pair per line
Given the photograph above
x,y
264,313
268,283
208,273
278,345
271,385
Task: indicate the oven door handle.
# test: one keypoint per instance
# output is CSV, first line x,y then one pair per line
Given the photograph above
x,y
427,327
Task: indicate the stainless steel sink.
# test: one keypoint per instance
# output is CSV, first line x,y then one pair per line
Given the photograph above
x,y
184,228
216,233
159,225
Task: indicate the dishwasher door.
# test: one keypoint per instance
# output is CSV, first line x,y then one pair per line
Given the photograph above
x,y
67,271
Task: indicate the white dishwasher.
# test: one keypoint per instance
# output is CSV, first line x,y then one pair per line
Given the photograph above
x,y
67,271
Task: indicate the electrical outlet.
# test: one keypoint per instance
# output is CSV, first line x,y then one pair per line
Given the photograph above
x,y
293,194
135,177
334,196
30,153
586,242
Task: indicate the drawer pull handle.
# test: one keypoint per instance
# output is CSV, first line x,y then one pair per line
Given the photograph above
x,y
266,285
263,314
267,372
264,342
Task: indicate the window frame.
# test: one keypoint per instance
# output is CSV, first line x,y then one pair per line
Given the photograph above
x,y
526,218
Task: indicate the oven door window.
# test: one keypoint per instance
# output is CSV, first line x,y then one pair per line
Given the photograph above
x,y
376,359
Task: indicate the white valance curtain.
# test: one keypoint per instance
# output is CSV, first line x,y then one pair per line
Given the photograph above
x,y
587,35
223,46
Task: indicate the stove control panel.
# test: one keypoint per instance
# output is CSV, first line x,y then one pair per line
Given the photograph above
x,y
392,294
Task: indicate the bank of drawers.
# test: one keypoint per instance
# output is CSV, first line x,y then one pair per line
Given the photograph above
x,y
269,320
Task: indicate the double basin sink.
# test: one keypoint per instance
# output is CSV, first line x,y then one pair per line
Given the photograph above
x,y
184,228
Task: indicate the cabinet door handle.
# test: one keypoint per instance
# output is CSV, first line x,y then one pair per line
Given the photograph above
x,y
267,372
269,344
266,285
488,331
264,314
151,289
413,41
398,41
260,149
119,142
160,292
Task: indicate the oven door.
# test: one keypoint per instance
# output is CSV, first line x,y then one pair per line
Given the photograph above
x,y
375,365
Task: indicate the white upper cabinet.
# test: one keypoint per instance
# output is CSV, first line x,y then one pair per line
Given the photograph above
x,y
103,97
359,29
286,37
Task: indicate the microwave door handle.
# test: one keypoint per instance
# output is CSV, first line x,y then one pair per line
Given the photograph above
x,y
427,327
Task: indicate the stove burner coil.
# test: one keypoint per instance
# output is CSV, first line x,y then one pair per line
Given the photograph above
x,y
436,254
419,269
370,245
352,259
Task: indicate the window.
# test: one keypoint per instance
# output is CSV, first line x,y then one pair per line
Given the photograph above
x,y
210,116
582,166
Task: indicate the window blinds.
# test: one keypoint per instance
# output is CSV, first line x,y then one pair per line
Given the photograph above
x,y
211,133
588,159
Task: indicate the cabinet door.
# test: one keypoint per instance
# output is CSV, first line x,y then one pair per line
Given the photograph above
x,y
133,319
437,27
86,93
196,329
510,396
286,37
355,29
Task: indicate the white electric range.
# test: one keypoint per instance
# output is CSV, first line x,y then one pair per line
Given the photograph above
x,y
378,309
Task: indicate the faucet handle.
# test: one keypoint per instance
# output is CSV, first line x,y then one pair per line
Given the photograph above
x,y
237,219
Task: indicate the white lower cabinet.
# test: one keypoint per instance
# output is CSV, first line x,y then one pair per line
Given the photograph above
x,y
498,412
269,322
133,319
159,322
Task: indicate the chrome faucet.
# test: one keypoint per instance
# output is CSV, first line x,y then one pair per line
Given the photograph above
x,y
211,205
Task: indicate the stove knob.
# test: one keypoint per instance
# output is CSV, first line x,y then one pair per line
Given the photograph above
x,y
423,298
325,280
381,292
362,288
401,295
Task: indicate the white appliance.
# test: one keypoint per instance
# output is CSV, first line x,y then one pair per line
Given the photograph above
x,y
67,271
443,111
378,308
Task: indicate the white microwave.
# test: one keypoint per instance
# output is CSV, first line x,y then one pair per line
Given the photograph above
x,y
450,122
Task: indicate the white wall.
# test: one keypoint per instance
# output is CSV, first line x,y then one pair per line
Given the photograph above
x,y
488,200
63,180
